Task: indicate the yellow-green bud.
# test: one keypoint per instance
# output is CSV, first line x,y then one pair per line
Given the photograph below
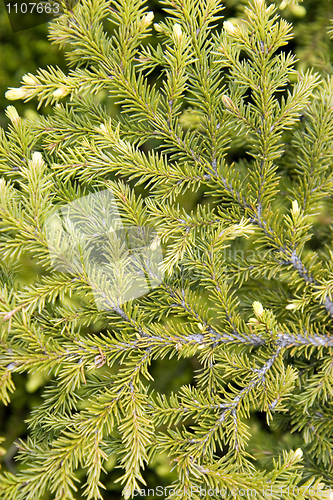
x,y
228,103
253,321
60,92
229,27
37,161
13,115
13,94
29,79
298,10
148,18
291,306
177,31
295,208
258,309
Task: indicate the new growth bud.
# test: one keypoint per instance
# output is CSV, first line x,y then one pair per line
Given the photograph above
x,y
127,493
177,31
13,94
258,309
229,27
295,208
148,18
29,79
37,161
13,115
253,321
228,103
291,306
60,92
298,10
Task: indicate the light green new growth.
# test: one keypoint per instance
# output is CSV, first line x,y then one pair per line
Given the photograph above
x,y
236,124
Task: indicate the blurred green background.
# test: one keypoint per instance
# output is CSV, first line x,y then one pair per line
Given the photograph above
x,y
28,50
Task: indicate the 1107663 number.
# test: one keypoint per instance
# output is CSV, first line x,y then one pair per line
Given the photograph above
x,y
29,8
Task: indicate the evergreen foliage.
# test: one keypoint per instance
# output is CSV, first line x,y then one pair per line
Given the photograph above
x,y
220,112
20,53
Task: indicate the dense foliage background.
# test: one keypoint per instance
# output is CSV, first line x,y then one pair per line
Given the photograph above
x,y
28,50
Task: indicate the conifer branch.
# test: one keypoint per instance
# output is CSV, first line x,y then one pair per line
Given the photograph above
x,y
221,93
